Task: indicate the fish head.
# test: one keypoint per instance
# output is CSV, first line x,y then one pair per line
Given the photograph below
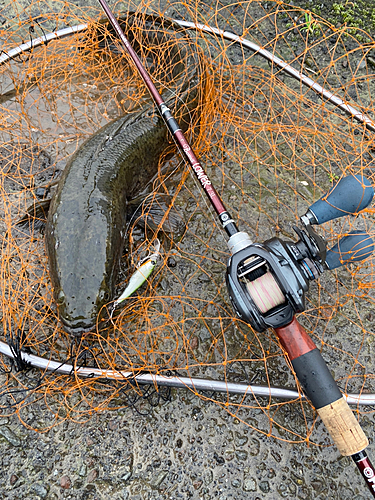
x,y
81,308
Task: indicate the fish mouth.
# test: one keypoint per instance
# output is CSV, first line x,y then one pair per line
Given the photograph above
x,y
77,329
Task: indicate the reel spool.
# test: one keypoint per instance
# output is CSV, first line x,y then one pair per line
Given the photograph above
x,y
267,282
265,292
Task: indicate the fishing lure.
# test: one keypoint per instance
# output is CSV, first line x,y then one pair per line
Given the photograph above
x,y
144,270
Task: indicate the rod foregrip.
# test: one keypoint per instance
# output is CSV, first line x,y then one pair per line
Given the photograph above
x,y
320,387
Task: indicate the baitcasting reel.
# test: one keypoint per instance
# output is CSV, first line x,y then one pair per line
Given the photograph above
x,y
267,281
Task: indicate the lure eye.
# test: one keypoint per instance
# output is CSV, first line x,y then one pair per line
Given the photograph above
x,y
60,298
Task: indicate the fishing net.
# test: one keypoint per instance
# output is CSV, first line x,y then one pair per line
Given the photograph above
x,y
271,145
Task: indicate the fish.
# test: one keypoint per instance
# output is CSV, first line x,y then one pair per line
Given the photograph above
x,y
88,214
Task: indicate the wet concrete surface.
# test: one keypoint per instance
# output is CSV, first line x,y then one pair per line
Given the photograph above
x,y
183,449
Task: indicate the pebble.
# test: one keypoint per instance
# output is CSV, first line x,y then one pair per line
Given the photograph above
x,y
157,480
40,490
82,470
208,477
179,443
113,424
126,476
92,475
241,455
9,436
362,64
13,479
264,486
254,446
65,482
171,262
219,460
240,439
41,192
249,484
197,484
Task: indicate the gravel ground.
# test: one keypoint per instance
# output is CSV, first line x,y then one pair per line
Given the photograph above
x,y
184,448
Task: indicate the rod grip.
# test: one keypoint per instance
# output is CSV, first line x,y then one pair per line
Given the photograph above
x,y
343,427
320,387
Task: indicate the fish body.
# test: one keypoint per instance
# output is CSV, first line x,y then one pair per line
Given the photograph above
x,y
87,218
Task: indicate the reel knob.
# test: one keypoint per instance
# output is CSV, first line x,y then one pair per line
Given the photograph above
x,y
350,195
356,246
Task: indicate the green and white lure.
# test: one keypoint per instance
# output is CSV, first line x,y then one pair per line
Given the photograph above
x,y
144,269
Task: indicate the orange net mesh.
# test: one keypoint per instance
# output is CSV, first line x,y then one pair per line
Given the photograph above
x,y
271,147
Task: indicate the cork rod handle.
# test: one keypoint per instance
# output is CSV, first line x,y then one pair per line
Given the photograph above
x,y
343,427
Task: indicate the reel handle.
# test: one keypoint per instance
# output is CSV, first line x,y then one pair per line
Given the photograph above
x,y
320,387
350,195
356,246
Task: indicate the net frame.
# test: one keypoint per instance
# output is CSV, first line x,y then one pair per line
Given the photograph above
x,y
363,284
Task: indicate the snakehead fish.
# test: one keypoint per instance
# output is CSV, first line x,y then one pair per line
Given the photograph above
x,y
87,218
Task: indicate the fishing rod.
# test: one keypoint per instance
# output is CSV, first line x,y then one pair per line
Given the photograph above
x,y
227,222
267,282
355,244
